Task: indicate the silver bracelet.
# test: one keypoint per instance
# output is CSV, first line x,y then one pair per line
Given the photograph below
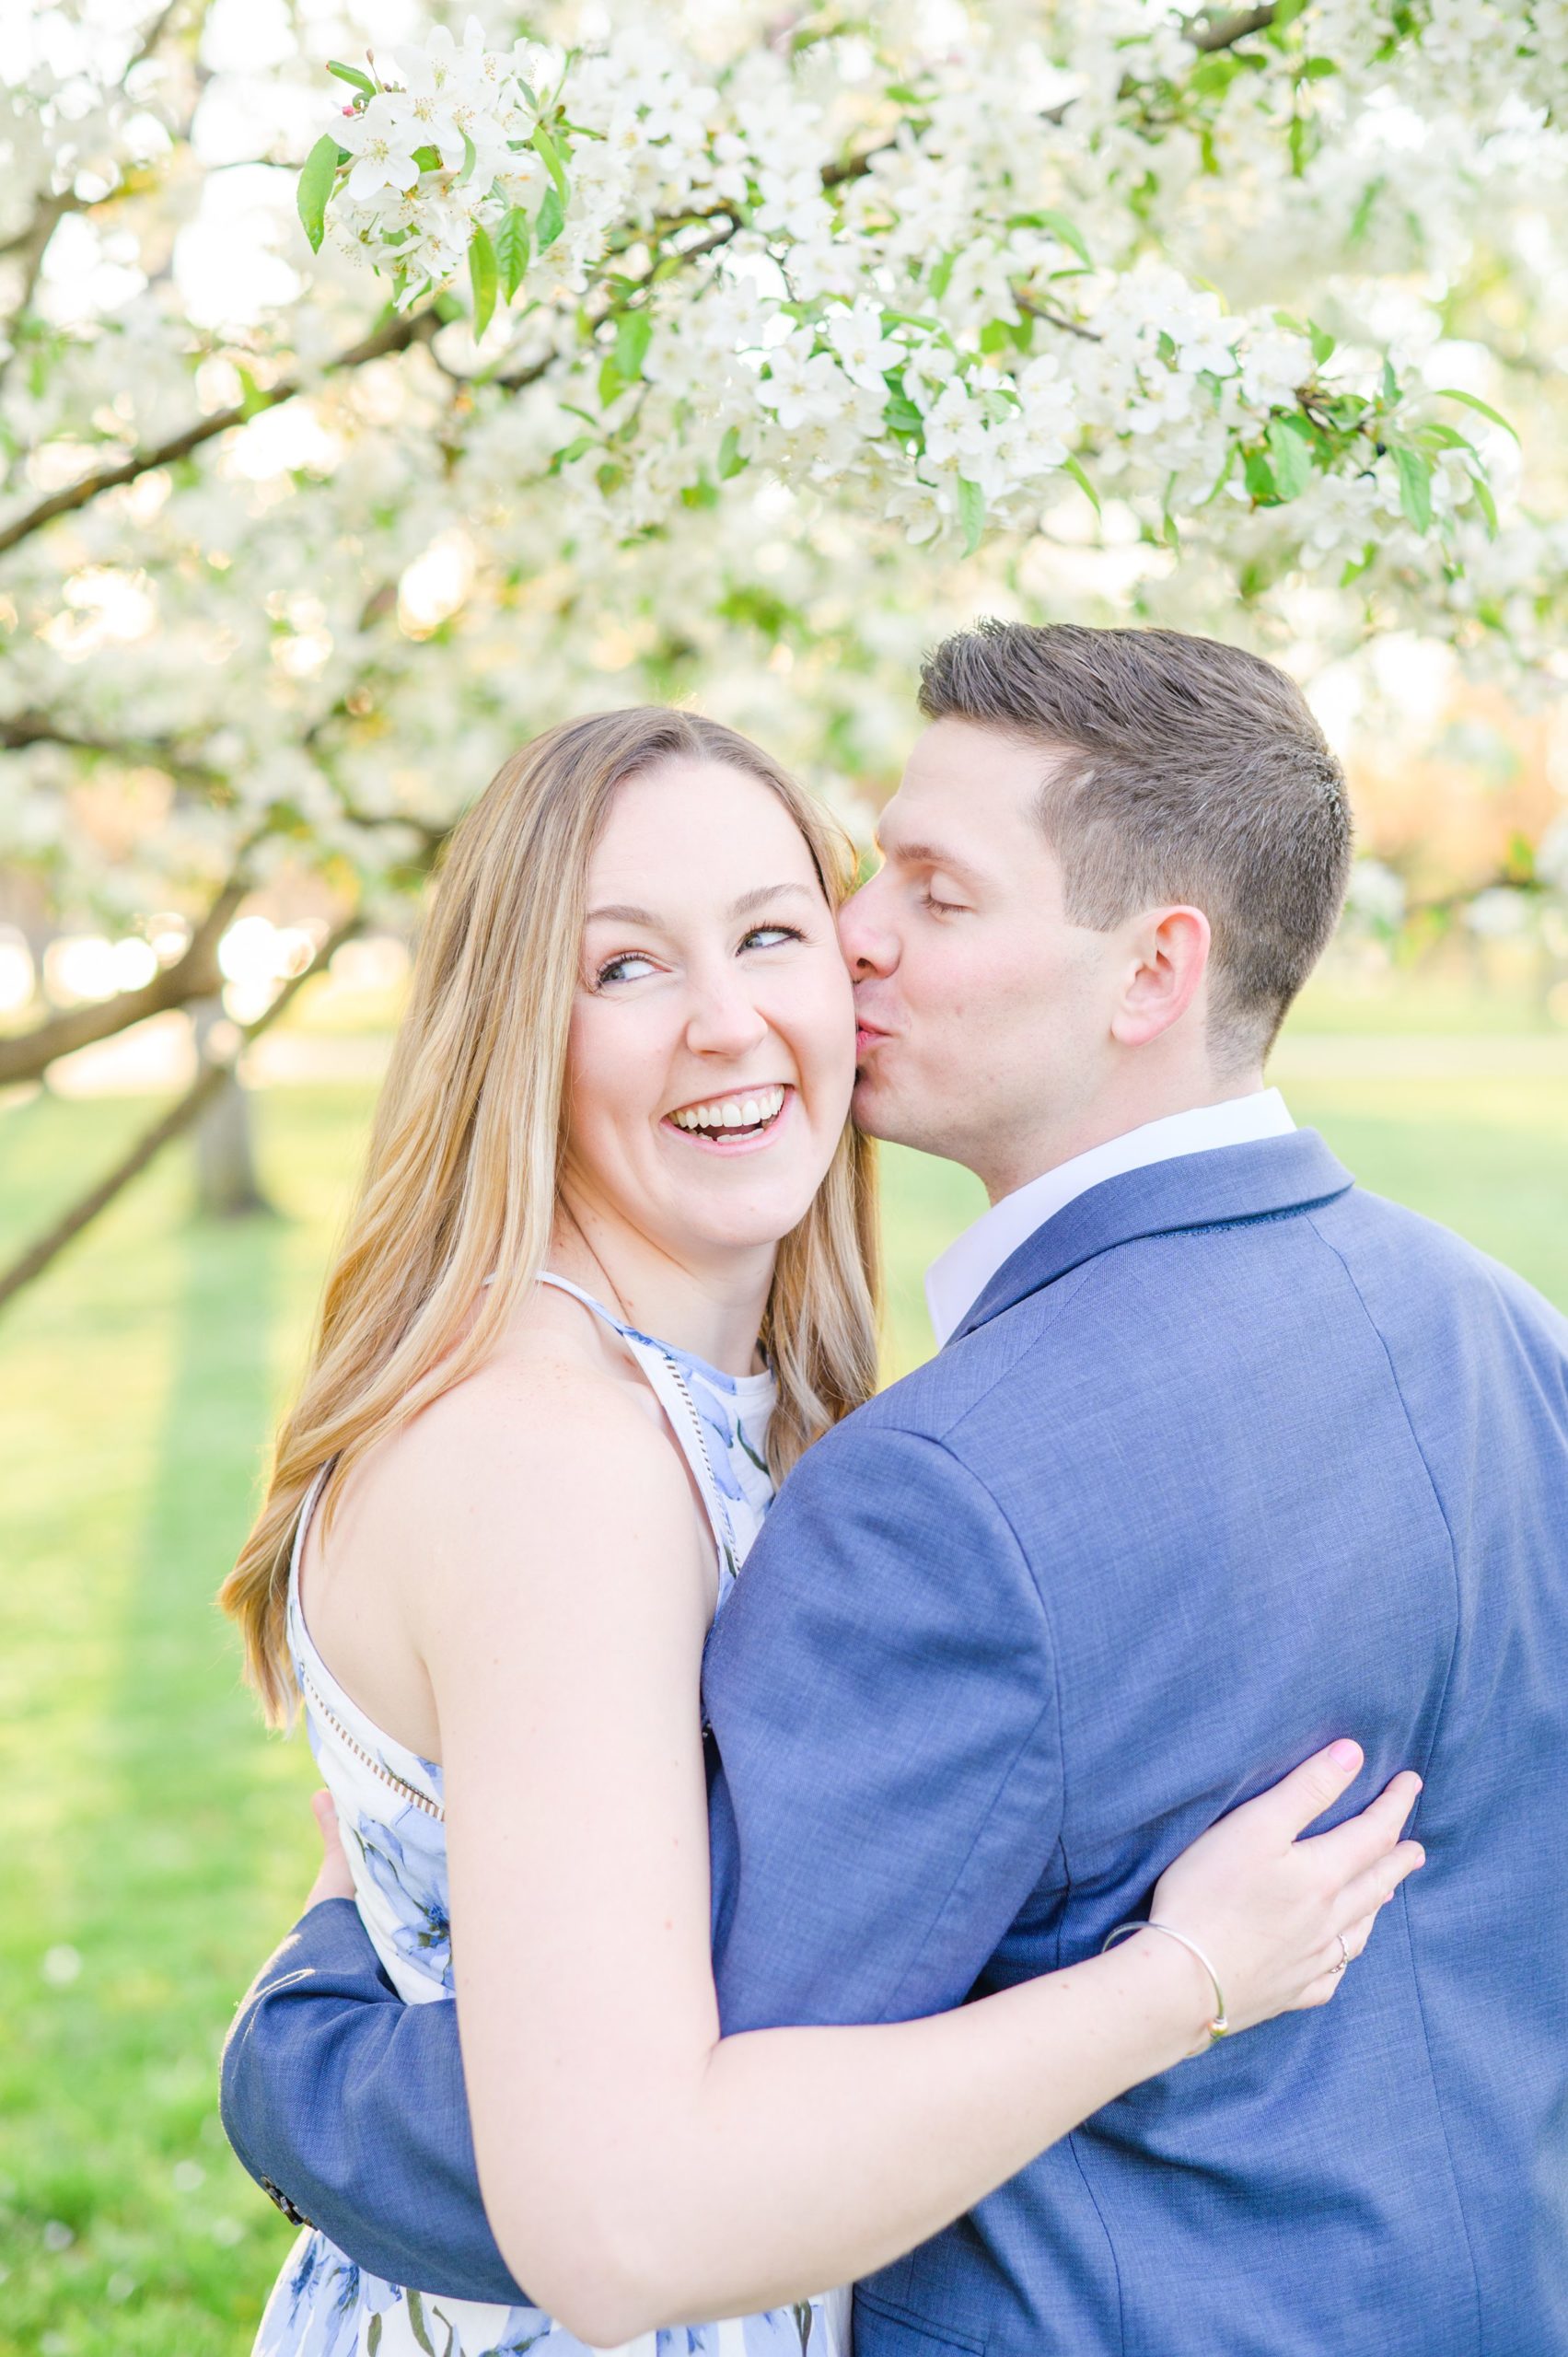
x,y
1219,2028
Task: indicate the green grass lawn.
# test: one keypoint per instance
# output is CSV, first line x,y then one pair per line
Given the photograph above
x,y
156,1842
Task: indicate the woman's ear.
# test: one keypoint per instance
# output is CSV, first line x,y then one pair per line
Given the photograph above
x,y
1167,957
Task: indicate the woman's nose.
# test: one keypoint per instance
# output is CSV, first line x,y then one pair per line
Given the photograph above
x,y
725,1019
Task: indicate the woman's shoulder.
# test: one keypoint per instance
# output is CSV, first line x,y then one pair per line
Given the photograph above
x,y
542,1409
551,1436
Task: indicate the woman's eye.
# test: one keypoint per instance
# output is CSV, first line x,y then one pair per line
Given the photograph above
x,y
618,970
940,908
768,936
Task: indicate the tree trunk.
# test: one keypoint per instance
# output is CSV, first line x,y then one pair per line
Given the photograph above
x,y
227,1184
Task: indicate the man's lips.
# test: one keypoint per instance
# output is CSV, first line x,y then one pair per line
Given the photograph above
x,y
866,1037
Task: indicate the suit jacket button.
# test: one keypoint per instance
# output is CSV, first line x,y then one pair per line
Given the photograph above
x,y
296,2217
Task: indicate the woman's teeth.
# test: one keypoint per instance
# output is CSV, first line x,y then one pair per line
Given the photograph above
x,y
729,1114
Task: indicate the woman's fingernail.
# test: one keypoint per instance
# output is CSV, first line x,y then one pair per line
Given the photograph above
x,y
1345,1754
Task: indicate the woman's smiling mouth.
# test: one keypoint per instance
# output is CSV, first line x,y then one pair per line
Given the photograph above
x,y
744,1117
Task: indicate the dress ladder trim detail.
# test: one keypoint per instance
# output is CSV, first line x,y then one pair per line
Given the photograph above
x,y
323,1709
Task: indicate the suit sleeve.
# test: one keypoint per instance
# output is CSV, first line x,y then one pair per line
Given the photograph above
x,y
886,1781
351,2107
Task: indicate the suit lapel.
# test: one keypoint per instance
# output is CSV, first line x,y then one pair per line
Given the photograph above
x,y
1228,1183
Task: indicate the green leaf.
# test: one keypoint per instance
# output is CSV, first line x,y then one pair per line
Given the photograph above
x,y
315,186
471,157
483,273
1486,502
1415,486
512,250
373,2336
941,275
1322,343
416,2321
731,458
252,397
1291,449
1452,393
352,73
1520,859
1364,209
901,416
551,221
1357,565
552,163
1062,228
1071,466
632,335
1260,478
1390,383
429,159
997,335
972,514
1432,436
612,383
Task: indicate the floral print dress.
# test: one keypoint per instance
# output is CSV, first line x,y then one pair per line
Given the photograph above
x,y
391,1818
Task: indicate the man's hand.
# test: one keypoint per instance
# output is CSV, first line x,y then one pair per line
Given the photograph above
x,y
333,1880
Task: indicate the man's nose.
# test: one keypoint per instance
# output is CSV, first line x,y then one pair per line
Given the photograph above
x,y
868,943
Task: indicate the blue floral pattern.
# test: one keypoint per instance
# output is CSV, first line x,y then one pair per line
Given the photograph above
x,y
390,1811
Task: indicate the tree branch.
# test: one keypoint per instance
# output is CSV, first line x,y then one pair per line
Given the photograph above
x,y
212,1077
396,335
25,728
1211,32
1054,317
193,975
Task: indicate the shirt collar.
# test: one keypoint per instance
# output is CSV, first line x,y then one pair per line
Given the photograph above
x,y
955,1282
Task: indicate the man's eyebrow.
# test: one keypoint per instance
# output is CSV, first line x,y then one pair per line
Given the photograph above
x,y
913,854
623,912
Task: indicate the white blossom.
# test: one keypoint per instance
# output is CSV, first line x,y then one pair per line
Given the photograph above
x,y
864,352
382,140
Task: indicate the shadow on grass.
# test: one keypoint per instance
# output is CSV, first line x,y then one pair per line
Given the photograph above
x,y
136,2231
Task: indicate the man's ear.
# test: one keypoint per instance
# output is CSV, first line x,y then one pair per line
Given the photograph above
x,y
1168,955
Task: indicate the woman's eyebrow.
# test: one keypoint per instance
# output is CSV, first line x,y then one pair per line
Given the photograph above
x,y
622,913
768,893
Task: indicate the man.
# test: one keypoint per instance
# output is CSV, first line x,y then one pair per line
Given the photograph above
x,y
1219,1456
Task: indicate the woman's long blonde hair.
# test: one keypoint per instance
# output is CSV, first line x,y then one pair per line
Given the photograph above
x,y
461,1174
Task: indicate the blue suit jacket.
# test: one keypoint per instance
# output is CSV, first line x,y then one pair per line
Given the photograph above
x,y
1229,1459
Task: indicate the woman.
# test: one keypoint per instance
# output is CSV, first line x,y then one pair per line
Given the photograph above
x,y
616,1111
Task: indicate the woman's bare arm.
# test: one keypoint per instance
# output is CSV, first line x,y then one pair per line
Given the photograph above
x,y
637,2167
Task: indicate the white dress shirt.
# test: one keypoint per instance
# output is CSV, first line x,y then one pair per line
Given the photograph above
x,y
955,1282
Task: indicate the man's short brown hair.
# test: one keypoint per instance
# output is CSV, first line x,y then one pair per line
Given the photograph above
x,y
1187,770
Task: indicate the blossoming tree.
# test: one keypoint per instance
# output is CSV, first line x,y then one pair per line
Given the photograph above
x,y
372,394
